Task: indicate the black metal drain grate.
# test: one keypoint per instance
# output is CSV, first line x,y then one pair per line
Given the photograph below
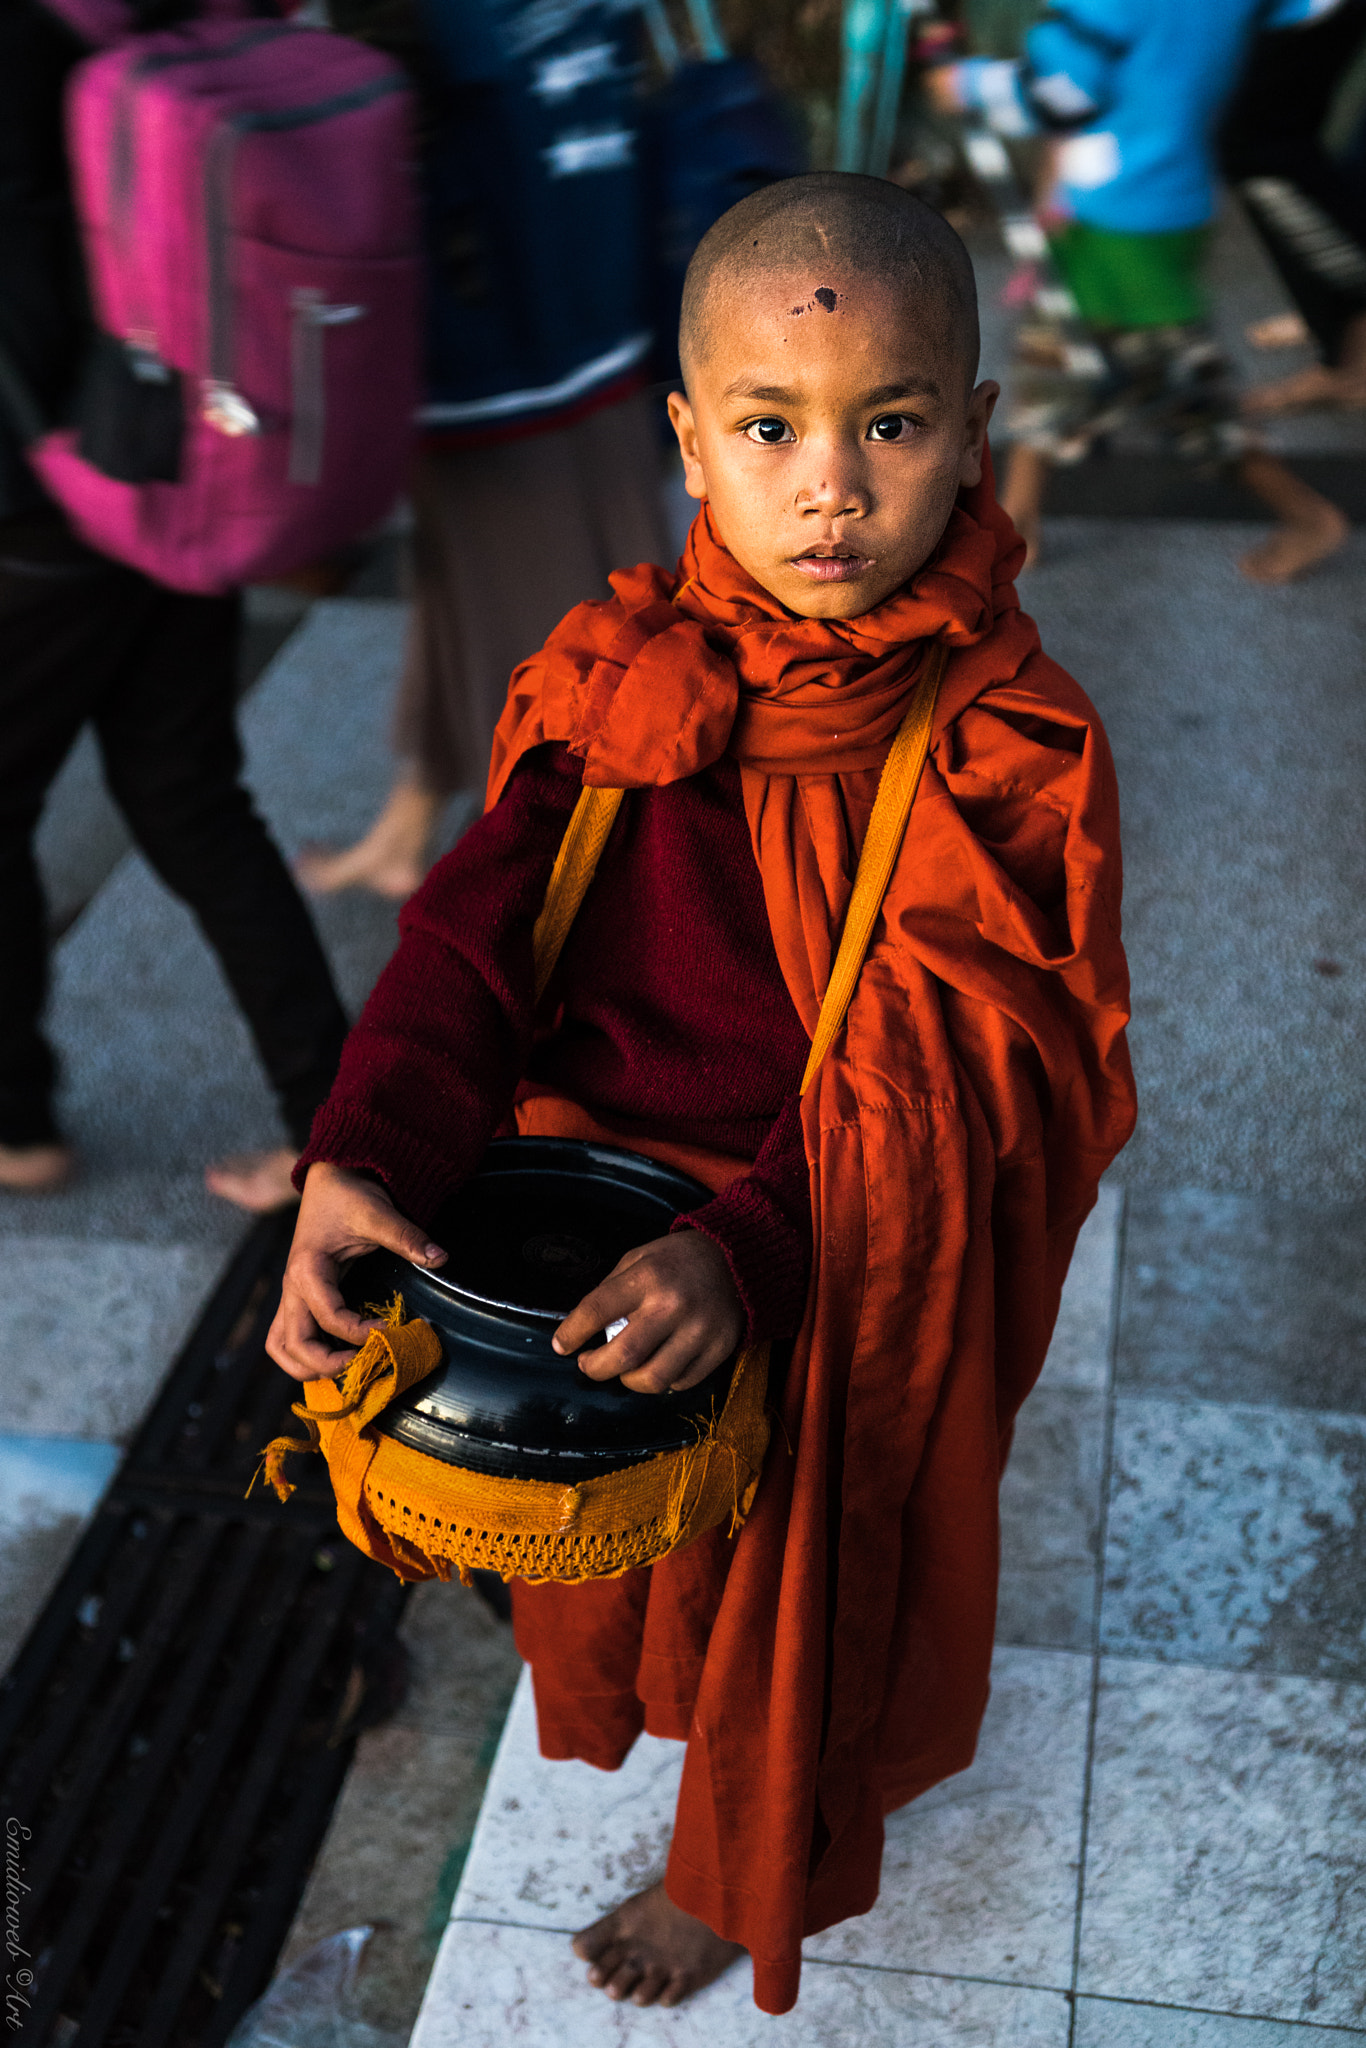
x,y
176,1729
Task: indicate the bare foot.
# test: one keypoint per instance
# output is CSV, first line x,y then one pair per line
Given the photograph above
x,y
652,1952
1281,330
391,859
1292,549
322,870
36,1169
1342,390
256,1181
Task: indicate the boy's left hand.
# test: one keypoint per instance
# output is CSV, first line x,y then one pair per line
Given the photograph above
x,y
683,1316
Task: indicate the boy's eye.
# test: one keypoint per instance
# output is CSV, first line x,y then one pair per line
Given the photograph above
x,y
891,426
769,431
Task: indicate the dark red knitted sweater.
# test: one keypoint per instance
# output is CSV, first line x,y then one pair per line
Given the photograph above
x,y
667,1016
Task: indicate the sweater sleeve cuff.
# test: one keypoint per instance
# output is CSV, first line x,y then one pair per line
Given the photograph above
x,y
769,1260
415,1175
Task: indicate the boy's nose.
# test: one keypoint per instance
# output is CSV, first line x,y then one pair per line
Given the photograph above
x,y
833,494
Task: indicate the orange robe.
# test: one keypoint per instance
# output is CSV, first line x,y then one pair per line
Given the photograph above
x,y
832,1661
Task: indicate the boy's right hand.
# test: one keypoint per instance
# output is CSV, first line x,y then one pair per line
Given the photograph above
x,y
342,1215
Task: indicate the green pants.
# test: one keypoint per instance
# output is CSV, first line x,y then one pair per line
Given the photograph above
x,y
1133,280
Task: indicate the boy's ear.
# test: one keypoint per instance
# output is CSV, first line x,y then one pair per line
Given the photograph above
x,y
981,406
685,426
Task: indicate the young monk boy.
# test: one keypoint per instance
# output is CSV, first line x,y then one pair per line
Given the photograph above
x,y
906,1221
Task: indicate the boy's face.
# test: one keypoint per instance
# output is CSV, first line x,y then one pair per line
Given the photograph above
x,y
829,434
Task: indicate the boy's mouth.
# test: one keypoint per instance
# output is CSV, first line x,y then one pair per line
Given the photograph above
x,y
836,564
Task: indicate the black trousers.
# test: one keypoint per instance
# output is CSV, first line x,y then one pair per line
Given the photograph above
x,y
1308,207
84,639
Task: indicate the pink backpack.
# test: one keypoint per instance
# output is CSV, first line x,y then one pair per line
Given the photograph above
x,y
246,197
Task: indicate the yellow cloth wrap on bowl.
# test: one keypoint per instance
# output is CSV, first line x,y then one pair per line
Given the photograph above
x,y
426,1519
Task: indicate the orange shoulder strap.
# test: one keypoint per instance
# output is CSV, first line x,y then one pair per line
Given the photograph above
x,y
897,785
575,865
596,810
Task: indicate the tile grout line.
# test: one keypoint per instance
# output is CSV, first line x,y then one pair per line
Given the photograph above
x,y
1328,2029
1102,1531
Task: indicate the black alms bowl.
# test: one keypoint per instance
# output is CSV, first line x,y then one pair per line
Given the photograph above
x,y
540,1223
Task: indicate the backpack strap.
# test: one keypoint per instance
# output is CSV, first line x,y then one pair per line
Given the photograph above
x,y
596,810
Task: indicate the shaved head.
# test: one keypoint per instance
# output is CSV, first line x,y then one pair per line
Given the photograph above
x,y
848,226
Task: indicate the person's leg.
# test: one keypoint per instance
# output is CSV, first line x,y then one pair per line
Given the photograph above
x,y
1308,527
1303,202
393,855
607,1658
1022,494
64,618
1340,384
172,757
507,539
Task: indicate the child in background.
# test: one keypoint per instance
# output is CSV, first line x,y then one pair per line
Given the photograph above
x,y
904,1222
1131,91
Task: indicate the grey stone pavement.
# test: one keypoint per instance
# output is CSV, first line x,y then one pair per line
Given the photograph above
x,y
1161,1843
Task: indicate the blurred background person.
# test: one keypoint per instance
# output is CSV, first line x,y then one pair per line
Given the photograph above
x,y
1306,199
1129,93
85,639
539,470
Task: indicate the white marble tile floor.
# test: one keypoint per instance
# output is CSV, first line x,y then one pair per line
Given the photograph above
x,y
1051,1496
1224,1863
1050,1521
496,1984
1102,2023
979,1876
559,1844
1079,1356
1237,1537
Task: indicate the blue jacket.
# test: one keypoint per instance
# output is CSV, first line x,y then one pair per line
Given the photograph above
x,y
1136,88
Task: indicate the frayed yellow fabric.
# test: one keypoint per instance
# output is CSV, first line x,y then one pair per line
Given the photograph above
x,y
392,1359
453,1522
426,1519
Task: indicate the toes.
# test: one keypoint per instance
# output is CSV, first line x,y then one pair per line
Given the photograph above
x,y
623,1980
601,1943
651,1987
606,1959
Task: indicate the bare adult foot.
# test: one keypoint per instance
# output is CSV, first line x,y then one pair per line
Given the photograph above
x,y
1341,390
323,870
1280,330
36,1169
1308,525
391,859
1292,549
651,1952
256,1181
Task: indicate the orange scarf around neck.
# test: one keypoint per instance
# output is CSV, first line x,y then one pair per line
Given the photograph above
x,y
955,1134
